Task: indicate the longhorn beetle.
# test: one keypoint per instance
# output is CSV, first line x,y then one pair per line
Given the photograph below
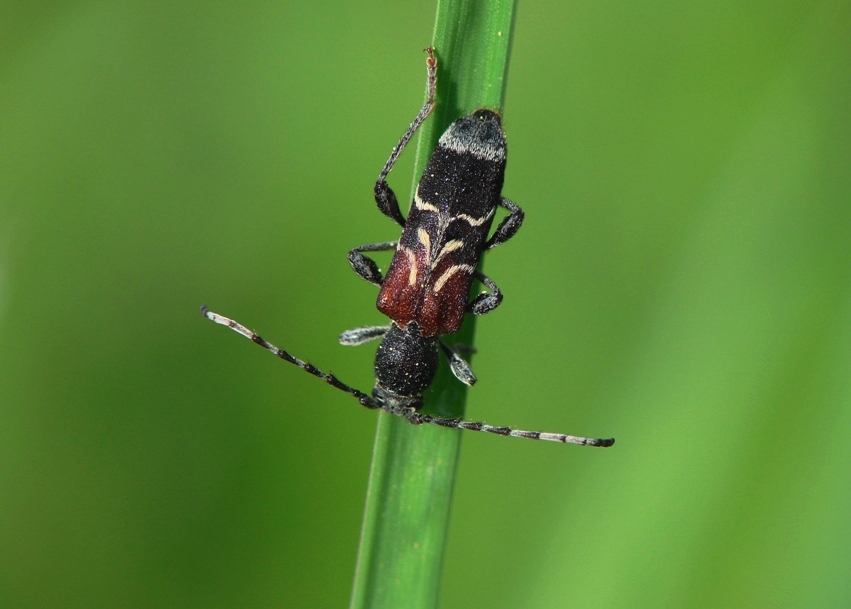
x,y
427,285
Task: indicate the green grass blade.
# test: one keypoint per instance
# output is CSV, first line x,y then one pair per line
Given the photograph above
x,y
413,468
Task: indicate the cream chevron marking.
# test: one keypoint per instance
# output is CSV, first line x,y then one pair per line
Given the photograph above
x,y
412,262
475,221
448,274
450,247
420,204
425,239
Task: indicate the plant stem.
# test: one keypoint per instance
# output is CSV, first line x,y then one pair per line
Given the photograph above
x,y
413,467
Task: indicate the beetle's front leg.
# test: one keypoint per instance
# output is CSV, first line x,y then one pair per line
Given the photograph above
x,y
359,336
460,367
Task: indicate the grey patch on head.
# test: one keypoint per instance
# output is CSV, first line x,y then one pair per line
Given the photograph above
x,y
483,138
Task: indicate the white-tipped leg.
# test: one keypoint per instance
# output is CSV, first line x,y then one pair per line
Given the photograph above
x,y
359,336
460,367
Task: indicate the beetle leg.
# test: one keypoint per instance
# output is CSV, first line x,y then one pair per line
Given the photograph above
x,y
359,336
485,302
464,349
509,225
364,266
460,367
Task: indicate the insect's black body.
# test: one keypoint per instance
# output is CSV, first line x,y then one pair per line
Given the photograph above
x,y
447,227
428,283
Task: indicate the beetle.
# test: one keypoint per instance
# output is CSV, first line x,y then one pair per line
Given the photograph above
x,y
426,288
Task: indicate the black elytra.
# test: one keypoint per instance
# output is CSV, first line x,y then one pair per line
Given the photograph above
x,y
426,289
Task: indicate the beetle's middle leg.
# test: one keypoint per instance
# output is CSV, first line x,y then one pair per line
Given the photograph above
x,y
365,266
485,302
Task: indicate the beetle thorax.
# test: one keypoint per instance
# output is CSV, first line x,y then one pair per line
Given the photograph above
x,y
405,362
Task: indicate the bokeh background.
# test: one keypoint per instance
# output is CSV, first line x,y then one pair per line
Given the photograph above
x,y
681,283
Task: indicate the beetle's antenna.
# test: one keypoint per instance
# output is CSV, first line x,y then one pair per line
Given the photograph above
x,y
332,380
417,418
411,415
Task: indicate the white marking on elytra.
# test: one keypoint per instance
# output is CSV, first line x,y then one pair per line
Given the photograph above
x,y
450,247
448,274
425,239
475,221
412,262
420,204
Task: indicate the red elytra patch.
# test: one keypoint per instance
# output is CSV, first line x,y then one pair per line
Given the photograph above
x,y
398,298
436,311
442,312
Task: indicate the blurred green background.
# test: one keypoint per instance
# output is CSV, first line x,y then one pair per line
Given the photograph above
x,y
681,283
